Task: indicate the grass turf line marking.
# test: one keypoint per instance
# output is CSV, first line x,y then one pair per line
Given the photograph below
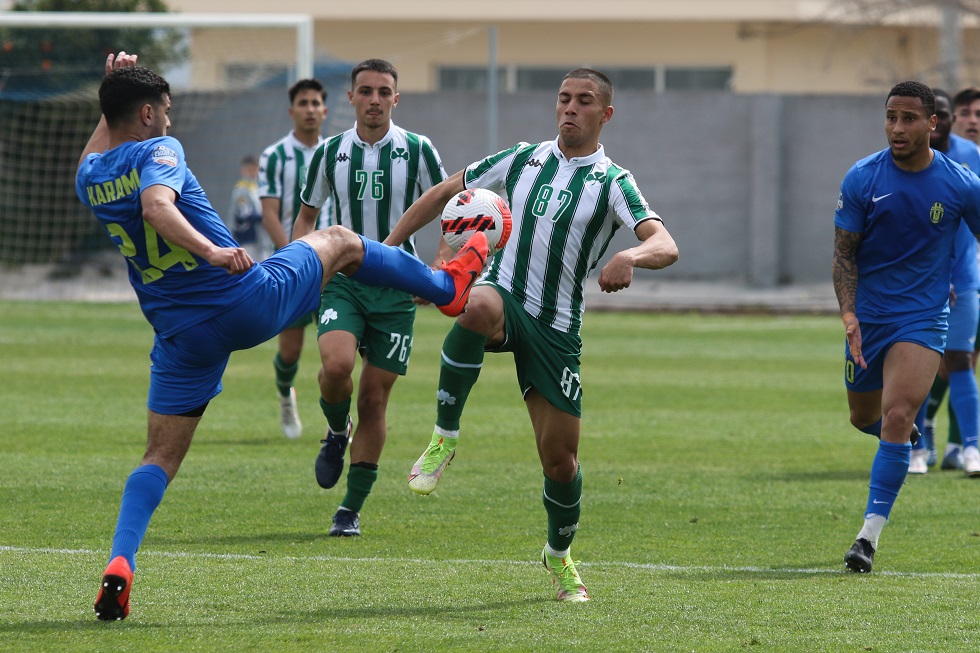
x,y
694,569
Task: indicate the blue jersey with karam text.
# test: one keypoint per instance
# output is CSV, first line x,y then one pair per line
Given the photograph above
x,y
908,223
175,288
966,274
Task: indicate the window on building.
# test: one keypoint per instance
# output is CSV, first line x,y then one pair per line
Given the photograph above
x,y
697,79
469,78
654,79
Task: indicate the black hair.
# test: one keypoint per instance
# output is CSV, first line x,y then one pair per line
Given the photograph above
x,y
311,84
375,65
124,90
915,89
966,97
601,81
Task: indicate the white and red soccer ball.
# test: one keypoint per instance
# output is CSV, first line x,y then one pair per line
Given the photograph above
x,y
477,210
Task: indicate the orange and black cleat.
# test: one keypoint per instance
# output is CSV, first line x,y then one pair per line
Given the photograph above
x,y
465,268
112,604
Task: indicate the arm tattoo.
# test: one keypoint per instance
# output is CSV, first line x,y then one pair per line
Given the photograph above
x,y
845,270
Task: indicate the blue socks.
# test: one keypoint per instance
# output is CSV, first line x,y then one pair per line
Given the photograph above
x,y
141,496
395,268
874,429
920,423
888,471
964,399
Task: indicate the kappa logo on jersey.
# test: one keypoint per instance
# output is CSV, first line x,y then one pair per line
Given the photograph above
x,y
329,314
840,201
164,155
936,213
534,163
342,157
598,177
445,398
399,153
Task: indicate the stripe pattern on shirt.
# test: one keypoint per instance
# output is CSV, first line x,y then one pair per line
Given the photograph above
x,y
282,173
565,213
372,185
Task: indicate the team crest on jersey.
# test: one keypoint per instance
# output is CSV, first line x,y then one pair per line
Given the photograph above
x,y
599,177
936,213
165,156
840,201
399,153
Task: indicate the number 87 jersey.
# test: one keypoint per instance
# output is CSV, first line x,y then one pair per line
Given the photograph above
x,y
175,288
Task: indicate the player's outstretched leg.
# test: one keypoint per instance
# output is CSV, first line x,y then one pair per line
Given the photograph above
x,y
448,288
465,268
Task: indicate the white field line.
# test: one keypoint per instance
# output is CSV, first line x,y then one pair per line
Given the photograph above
x,y
694,569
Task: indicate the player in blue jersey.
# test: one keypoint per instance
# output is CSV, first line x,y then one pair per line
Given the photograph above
x,y
966,119
200,290
956,369
894,230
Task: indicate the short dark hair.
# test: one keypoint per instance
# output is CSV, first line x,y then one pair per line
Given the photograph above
x,y
915,89
376,65
250,160
966,96
940,93
311,84
600,80
124,90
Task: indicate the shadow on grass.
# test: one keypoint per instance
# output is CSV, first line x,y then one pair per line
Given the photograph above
x,y
251,540
135,624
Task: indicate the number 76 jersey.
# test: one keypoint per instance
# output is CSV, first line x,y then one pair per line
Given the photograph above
x,y
175,288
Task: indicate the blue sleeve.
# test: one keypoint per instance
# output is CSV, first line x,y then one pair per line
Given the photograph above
x,y
851,210
971,208
162,163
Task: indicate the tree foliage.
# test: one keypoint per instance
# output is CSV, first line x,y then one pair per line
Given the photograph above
x,y
45,60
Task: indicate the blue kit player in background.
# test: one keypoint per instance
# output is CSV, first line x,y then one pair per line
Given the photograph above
x,y
956,367
200,290
894,231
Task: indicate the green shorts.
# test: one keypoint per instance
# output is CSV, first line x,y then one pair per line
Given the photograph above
x,y
381,319
305,319
547,360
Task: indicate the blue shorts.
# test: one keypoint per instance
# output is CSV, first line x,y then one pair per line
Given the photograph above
x,y
186,368
963,319
877,339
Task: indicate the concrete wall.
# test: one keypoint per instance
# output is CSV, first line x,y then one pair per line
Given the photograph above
x,y
747,184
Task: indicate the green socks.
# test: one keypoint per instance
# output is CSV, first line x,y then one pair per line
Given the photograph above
x,y
336,414
462,358
360,479
563,503
284,375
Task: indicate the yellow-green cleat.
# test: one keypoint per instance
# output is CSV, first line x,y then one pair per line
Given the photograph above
x,y
565,577
428,468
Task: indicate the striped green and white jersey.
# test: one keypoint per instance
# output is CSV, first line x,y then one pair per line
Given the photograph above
x,y
372,185
282,172
565,213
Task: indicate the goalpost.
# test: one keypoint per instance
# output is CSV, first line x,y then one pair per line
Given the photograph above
x,y
230,100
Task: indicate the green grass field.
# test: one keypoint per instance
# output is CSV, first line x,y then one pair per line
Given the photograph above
x,y
722,487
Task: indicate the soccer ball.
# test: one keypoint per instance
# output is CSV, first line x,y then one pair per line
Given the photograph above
x,y
477,210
